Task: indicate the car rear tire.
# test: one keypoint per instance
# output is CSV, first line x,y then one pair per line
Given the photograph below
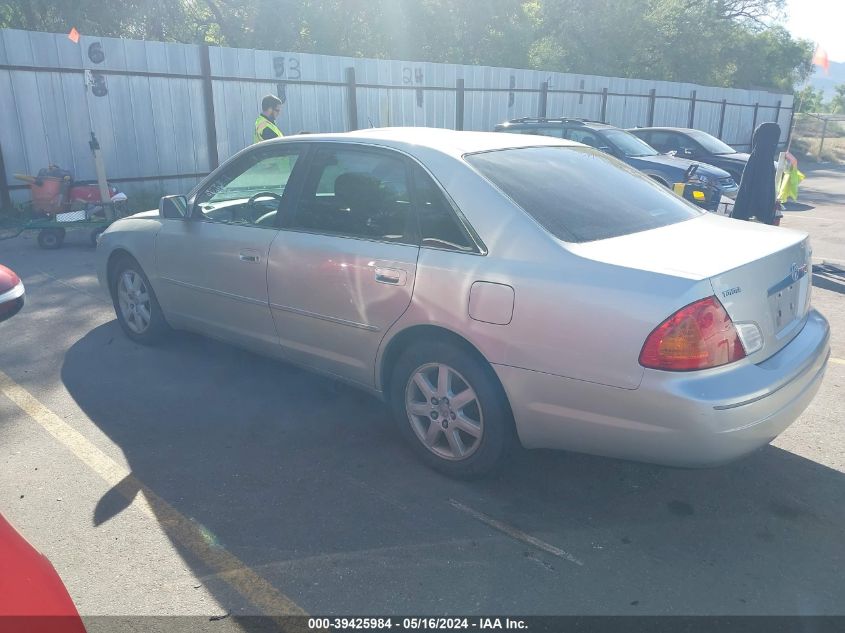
x,y
51,239
451,409
135,303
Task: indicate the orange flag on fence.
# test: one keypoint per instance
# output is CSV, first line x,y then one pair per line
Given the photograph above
x,y
73,36
820,59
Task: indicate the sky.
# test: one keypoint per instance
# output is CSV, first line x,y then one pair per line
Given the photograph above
x,y
822,21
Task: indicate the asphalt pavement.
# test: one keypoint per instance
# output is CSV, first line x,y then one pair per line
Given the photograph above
x,y
198,479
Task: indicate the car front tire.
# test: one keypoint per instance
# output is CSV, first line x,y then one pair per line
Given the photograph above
x,y
135,303
451,409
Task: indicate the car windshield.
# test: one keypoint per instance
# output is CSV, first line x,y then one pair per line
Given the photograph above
x,y
629,144
579,194
710,143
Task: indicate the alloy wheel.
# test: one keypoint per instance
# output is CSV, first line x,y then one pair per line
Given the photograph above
x,y
444,411
134,301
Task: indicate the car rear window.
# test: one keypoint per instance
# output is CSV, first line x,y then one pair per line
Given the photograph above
x,y
579,194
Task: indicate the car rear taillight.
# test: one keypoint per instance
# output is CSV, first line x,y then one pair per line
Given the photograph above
x,y
699,336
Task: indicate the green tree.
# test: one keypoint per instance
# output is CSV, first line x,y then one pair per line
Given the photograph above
x,y
769,59
143,19
809,100
713,42
837,104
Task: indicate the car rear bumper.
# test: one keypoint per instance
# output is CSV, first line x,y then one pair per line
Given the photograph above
x,y
730,192
681,419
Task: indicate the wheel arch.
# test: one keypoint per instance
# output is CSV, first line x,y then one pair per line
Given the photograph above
x,y
115,257
427,332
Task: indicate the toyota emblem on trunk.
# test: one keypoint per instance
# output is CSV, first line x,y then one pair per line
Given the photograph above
x,y
797,271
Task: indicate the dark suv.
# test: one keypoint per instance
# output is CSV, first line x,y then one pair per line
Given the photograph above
x,y
695,145
666,169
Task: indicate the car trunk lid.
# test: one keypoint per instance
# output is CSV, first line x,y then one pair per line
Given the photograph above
x,y
772,292
761,274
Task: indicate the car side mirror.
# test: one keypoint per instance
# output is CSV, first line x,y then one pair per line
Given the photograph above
x,y
173,207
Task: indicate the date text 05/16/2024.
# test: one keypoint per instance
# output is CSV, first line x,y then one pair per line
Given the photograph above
x,y
417,624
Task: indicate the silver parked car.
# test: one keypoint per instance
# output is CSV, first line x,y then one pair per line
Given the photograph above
x,y
492,288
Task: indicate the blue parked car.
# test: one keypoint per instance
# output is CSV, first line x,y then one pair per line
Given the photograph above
x,y
695,145
665,169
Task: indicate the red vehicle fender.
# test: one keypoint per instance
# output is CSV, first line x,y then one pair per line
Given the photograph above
x,y
32,596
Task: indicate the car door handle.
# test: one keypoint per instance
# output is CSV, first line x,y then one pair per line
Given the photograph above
x,y
392,276
249,256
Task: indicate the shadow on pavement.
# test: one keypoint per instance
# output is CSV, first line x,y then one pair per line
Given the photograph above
x,y
829,278
821,199
308,484
797,207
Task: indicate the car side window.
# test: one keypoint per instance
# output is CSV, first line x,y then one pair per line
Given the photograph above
x,y
690,144
356,193
545,131
440,226
664,141
583,136
647,137
249,191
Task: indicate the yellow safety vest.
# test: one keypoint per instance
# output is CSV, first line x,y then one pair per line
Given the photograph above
x,y
262,123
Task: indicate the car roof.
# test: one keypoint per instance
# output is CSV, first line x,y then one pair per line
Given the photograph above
x,y
531,122
666,129
414,139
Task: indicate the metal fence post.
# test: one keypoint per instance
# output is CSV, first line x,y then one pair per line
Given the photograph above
x,y
5,197
722,118
604,105
208,101
754,123
777,112
791,122
652,98
351,99
544,99
821,143
459,105
692,109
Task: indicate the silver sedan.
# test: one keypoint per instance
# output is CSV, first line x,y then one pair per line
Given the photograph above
x,y
492,288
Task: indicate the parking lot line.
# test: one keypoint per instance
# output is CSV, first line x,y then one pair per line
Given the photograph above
x,y
187,533
514,533
837,361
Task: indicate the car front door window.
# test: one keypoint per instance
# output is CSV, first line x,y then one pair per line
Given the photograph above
x,y
681,144
665,141
690,147
250,190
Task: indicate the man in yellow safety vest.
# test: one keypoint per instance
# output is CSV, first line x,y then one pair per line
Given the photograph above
x,y
265,124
